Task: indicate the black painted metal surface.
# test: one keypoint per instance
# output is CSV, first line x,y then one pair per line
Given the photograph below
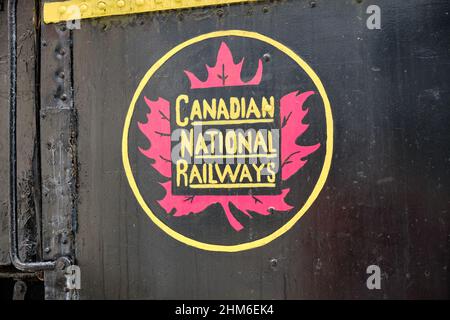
x,y
385,201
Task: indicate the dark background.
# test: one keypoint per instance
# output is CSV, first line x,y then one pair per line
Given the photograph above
x,y
281,76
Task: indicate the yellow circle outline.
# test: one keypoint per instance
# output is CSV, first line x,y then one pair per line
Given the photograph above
x,y
323,175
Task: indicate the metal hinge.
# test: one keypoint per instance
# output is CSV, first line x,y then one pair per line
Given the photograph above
x,y
20,290
84,9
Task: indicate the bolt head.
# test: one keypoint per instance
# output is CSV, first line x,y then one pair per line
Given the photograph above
x,y
62,9
120,3
60,265
273,263
268,108
83,7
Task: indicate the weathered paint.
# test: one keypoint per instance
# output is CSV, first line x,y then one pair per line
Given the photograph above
x,y
389,90
27,163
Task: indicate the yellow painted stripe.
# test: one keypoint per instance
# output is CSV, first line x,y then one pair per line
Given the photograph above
x,y
225,122
85,9
232,185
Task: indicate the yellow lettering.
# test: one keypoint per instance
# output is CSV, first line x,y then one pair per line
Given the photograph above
x,y
196,111
200,146
186,142
270,169
223,110
234,108
253,110
268,107
258,170
209,109
260,142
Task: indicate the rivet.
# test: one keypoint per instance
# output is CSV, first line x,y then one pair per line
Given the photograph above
x,y
60,265
266,57
83,7
47,250
120,3
140,2
62,9
101,5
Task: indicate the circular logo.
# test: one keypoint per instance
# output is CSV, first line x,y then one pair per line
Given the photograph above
x,y
228,140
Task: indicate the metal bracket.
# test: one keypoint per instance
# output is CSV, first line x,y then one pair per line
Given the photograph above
x,y
84,9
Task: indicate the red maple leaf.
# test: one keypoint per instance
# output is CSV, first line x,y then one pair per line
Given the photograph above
x,y
292,127
225,73
157,131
